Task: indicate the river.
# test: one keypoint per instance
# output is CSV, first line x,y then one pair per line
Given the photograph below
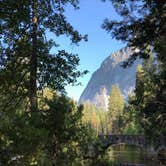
x,y
132,155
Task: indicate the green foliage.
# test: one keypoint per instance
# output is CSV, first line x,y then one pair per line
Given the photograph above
x,y
142,27
150,98
116,107
95,118
63,121
119,119
131,118
146,109
25,51
103,161
54,135
102,115
21,136
142,24
116,104
107,122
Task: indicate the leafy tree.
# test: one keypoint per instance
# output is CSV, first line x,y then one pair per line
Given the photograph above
x,y
139,82
116,107
26,64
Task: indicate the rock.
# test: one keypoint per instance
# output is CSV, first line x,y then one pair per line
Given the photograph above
x,y
110,72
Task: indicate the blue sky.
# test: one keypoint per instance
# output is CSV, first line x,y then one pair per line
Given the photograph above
x,y
88,20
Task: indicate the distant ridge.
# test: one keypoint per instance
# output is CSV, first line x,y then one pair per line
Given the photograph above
x,y
110,73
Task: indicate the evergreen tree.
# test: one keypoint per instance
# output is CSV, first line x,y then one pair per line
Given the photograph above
x,y
26,64
116,107
87,111
139,82
95,118
150,106
90,116
132,118
103,124
142,27
29,72
142,24
55,136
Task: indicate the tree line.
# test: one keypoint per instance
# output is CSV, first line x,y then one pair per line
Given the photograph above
x,y
119,118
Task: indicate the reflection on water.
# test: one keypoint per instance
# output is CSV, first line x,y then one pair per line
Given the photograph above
x,y
131,154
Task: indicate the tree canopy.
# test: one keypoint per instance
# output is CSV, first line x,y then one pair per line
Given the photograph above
x,y
26,63
142,24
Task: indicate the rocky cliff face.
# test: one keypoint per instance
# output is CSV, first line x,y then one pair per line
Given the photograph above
x,y
110,73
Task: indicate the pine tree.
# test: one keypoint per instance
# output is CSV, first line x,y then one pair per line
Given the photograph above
x,y
142,24
26,64
139,83
103,124
148,103
27,69
116,106
142,27
90,116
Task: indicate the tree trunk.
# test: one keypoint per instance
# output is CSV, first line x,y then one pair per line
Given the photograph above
x,y
33,59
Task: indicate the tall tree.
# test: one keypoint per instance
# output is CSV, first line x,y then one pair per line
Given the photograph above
x,y
142,27
116,107
90,116
132,118
26,62
33,59
54,136
149,100
139,83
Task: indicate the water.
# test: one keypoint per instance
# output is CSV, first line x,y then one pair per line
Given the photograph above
x,y
123,154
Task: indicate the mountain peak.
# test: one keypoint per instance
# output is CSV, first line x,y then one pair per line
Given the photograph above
x,y
110,73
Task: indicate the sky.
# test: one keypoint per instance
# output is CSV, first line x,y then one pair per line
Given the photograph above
x,y
88,20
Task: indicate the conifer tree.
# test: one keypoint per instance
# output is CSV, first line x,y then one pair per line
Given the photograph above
x,y
148,103
142,27
142,24
26,64
116,107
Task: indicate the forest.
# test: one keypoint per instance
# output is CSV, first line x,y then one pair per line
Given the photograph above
x,y
39,124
